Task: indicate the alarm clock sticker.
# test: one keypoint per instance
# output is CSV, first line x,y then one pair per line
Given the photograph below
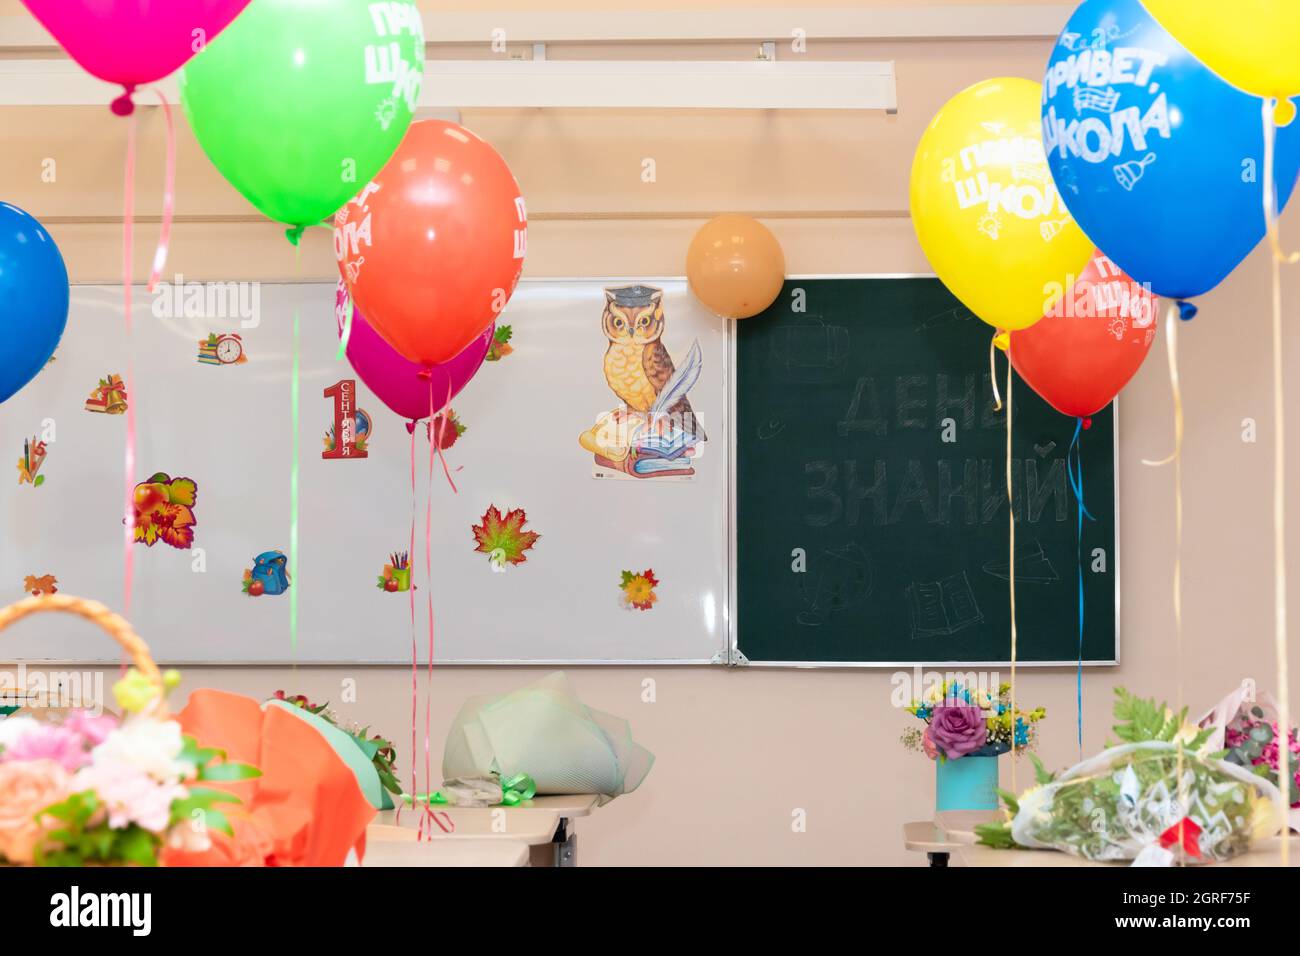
x,y
226,348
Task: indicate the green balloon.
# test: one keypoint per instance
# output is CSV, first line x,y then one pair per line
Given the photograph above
x,y
299,103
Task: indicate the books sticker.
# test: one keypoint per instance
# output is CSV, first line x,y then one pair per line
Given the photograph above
x,y
653,433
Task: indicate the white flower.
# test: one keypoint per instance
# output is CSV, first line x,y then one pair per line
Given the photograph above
x,y
13,728
129,794
151,746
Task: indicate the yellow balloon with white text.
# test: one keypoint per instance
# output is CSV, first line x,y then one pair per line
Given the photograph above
x,y
986,211
1253,44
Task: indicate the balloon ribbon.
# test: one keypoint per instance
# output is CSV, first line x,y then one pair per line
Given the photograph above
x,y
128,507
1278,258
1074,469
1174,312
1011,570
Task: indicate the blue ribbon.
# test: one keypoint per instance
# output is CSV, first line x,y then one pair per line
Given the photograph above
x,y
1074,470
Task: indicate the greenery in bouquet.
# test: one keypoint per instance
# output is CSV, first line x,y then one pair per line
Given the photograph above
x,y
377,749
1252,742
961,721
1131,796
96,789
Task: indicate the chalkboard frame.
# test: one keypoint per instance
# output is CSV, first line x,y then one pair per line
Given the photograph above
x,y
737,658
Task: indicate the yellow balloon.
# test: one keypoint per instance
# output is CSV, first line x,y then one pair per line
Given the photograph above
x,y
1253,44
985,209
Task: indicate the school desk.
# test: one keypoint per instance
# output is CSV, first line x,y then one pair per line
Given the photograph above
x,y
559,849
532,827
475,851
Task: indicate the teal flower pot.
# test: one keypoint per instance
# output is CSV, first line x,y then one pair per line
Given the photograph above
x,y
967,783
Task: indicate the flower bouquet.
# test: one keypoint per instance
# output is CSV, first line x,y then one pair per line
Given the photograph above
x,y
1156,797
95,790
1247,729
381,752
961,722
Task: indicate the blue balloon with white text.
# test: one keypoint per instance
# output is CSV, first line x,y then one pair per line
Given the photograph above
x,y
1159,161
33,298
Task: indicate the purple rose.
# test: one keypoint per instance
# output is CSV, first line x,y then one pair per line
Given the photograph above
x,y
958,731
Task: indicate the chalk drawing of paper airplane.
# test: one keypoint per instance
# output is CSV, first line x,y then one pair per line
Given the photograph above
x,y
958,314
842,580
941,608
810,353
1032,566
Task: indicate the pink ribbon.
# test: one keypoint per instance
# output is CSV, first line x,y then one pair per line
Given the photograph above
x,y
169,196
128,497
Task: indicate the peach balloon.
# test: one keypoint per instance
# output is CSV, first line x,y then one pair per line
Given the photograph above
x,y
735,266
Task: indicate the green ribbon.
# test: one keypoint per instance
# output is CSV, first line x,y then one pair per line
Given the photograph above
x,y
514,790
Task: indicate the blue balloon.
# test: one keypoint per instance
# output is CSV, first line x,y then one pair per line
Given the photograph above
x,y
1159,161
33,298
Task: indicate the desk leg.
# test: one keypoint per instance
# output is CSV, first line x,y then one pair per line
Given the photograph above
x,y
565,845
937,859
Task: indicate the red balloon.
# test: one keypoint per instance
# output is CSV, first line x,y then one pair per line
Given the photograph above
x,y
432,248
1086,349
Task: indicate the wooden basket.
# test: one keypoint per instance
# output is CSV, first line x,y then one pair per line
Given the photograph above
x,y
117,627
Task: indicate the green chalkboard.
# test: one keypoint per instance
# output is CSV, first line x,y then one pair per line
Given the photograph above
x,y
871,504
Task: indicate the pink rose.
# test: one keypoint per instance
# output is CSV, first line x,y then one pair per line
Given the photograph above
x,y
48,742
958,731
26,788
93,729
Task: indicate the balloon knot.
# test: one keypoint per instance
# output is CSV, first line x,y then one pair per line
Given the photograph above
x,y
1087,423
123,105
1002,340
1186,311
410,426
425,373
294,234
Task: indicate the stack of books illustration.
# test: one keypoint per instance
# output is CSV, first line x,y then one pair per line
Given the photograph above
x,y
654,444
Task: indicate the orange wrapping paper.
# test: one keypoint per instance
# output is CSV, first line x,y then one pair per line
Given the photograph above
x,y
305,809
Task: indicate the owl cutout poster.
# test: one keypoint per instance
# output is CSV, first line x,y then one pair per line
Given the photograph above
x,y
653,433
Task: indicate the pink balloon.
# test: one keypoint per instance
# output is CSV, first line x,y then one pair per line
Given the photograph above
x,y
133,42
397,381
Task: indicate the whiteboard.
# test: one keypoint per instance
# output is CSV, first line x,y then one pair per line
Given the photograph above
x,y
227,427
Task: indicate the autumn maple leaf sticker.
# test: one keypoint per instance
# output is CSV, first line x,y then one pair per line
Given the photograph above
x,y
503,539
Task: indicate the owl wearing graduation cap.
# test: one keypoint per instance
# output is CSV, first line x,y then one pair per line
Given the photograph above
x,y
637,365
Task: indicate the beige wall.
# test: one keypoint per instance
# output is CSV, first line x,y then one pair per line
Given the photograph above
x,y
738,751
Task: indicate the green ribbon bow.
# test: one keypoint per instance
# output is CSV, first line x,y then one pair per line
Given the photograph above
x,y
514,790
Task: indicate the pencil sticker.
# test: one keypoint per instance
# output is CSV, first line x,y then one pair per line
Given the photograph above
x,y
34,451
396,575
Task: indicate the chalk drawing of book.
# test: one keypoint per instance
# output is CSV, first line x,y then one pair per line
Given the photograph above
x,y
1032,566
842,580
810,353
941,608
